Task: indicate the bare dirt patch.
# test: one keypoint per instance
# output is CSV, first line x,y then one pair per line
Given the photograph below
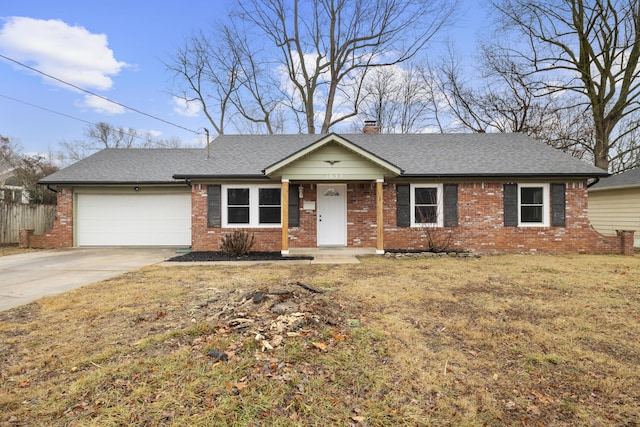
x,y
505,340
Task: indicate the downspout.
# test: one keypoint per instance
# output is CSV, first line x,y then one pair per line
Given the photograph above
x,y
51,189
597,180
188,182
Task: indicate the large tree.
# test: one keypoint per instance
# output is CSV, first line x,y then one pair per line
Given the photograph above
x,y
503,97
320,51
590,47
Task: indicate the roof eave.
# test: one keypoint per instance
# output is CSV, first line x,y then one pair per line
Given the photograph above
x,y
220,176
87,183
503,175
616,187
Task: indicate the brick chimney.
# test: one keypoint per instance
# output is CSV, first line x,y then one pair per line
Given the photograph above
x,y
370,127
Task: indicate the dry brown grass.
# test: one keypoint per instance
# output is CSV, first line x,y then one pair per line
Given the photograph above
x,y
501,340
13,250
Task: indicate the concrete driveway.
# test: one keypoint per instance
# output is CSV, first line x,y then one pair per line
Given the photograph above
x,y
29,276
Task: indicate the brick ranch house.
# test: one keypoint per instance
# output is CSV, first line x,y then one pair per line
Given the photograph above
x,y
487,193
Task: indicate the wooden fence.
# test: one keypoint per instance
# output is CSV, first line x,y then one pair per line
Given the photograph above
x,y
15,216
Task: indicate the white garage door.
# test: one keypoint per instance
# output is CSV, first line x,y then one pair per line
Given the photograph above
x,y
134,219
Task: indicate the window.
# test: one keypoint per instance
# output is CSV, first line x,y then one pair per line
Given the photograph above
x,y
269,205
533,205
238,205
426,202
251,206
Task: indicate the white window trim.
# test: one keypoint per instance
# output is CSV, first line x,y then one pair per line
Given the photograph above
x,y
546,205
439,210
254,212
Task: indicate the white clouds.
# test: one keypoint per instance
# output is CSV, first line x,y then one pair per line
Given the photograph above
x,y
70,53
184,108
100,105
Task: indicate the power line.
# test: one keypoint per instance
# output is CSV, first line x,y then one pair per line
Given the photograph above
x,y
62,114
95,94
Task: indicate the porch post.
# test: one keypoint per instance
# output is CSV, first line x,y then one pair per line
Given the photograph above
x,y
379,217
285,216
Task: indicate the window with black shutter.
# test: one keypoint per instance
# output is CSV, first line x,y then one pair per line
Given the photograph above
x,y
214,218
510,205
450,205
558,202
294,206
403,205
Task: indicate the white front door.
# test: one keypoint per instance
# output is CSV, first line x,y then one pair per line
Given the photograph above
x,y
332,215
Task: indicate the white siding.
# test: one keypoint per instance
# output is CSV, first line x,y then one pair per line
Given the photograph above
x,y
611,210
346,166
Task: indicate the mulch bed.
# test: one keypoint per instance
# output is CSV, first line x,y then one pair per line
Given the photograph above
x,y
223,256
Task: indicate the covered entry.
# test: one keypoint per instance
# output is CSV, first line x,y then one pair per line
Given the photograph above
x,y
330,164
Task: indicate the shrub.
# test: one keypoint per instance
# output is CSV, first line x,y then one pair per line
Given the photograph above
x,y
238,243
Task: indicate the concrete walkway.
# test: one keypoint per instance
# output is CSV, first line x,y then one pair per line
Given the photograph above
x,y
29,276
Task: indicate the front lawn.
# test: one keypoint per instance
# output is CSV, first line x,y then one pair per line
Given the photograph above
x,y
8,249
498,340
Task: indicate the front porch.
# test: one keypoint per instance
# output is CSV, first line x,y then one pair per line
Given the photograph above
x,y
332,255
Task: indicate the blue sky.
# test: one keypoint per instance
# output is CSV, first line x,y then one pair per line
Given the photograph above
x,y
116,49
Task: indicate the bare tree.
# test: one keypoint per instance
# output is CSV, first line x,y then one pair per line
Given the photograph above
x,y
27,170
505,98
397,98
625,154
208,75
319,51
590,47
104,135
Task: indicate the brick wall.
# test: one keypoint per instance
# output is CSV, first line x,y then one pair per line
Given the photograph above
x,y
480,229
61,234
481,225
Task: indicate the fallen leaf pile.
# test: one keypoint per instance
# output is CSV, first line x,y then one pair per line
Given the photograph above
x,y
270,315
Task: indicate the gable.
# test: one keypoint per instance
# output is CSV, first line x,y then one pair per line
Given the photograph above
x,y
330,158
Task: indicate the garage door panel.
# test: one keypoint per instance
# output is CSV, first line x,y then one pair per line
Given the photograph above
x,y
134,220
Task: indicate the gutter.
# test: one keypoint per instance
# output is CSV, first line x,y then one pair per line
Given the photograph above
x,y
596,180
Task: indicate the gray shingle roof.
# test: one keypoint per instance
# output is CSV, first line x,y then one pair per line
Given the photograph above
x,y
454,155
630,178
126,166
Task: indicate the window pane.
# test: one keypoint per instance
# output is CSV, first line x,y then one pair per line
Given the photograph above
x,y
426,196
269,196
238,215
238,196
531,195
531,214
270,215
426,214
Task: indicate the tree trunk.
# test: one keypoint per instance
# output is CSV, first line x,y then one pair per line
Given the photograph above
x,y
601,146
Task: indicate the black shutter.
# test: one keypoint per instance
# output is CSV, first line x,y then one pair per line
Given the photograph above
x,y
214,206
510,205
403,205
450,205
558,216
294,206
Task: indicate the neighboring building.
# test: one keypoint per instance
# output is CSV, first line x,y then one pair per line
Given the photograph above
x,y
11,189
488,193
614,204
